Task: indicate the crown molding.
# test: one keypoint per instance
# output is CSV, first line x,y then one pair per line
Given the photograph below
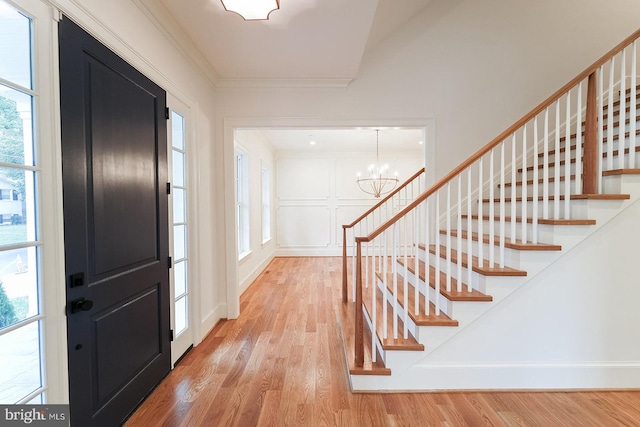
x,y
268,84
162,19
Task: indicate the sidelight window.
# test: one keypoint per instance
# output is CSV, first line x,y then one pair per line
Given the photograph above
x,y
21,316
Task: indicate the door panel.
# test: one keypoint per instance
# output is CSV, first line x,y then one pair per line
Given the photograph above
x,y
123,174
116,230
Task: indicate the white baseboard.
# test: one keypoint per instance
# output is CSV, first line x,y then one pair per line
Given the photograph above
x,y
210,320
576,376
254,274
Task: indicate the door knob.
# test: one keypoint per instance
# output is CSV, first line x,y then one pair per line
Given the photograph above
x,y
81,304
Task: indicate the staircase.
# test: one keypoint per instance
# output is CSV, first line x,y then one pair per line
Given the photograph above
x,y
487,279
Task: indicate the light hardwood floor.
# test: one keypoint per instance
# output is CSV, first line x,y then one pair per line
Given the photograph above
x,y
282,363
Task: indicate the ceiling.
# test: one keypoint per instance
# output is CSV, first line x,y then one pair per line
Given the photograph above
x,y
304,39
314,41
343,140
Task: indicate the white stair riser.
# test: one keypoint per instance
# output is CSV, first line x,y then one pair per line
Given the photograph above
x,y
530,207
622,184
508,228
515,258
445,304
552,190
529,173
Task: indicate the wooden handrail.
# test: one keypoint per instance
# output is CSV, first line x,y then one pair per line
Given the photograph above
x,y
510,130
381,202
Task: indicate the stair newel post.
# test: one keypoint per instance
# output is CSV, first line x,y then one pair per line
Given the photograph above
x,y
344,264
579,159
556,170
525,191
590,158
567,159
622,109
514,142
359,326
535,205
612,68
633,106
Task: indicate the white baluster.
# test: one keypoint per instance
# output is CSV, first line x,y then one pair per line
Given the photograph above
x,y
469,230
633,107
394,273
502,207
416,263
353,260
492,218
374,309
610,115
545,166
426,256
366,255
567,159
524,183
556,170
535,205
448,237
405,302
622,108
385,275
480,210
459,237
578,167
436,234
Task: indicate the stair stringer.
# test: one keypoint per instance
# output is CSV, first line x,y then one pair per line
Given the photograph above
x,y
458,357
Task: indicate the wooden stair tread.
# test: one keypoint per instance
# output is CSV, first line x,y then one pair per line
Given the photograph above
x,y
573,197
483,269
627,100
453,295
540,220
617,123
573,160
347,319
616,112
573,147
518,244
540,181
389,343
420,319
604,127
621,172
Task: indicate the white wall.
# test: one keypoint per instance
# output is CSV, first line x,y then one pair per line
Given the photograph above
x,y
476,66
259,152
317,193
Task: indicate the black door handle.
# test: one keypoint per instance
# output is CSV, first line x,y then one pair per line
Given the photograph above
x,y
81,304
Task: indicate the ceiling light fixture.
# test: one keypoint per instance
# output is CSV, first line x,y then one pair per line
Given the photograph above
x,y
378,182
251,10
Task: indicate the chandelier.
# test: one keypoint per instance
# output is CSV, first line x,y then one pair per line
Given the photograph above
x,y
378,182
252,10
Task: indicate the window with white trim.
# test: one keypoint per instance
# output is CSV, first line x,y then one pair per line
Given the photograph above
x,y
242,202
266,203
21,314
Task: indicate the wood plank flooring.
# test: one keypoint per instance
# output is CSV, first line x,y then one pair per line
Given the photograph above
x,y
282,363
